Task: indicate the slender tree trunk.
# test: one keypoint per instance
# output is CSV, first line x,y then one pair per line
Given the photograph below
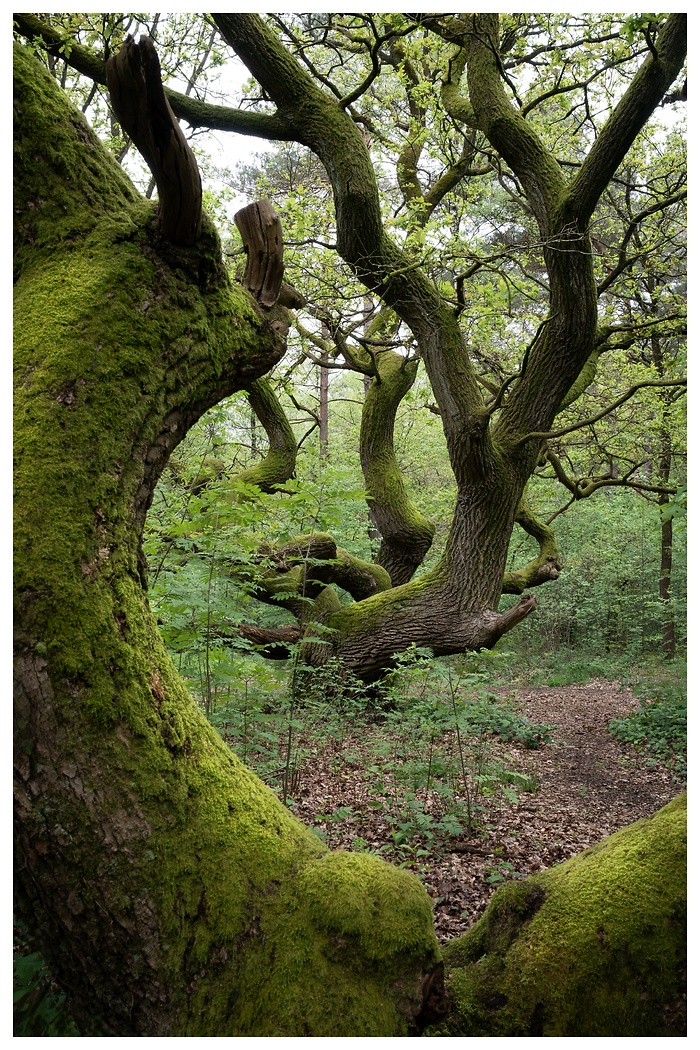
x,y
668,640
253,434
668,634
323,407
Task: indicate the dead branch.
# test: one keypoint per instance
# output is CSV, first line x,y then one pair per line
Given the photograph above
x,y
138,98
261,230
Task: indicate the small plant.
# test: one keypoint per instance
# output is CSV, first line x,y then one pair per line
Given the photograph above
x,y
497,873
39,1007
436,764
332,822
659,726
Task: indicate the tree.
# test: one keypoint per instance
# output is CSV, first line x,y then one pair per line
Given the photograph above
x,y
639,444
169,891
497,419
143,846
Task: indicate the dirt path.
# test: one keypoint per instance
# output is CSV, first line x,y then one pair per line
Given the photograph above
x,y
589,786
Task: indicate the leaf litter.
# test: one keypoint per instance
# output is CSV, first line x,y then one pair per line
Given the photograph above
x,y
589,785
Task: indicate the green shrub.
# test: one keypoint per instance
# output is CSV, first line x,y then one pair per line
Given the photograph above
x,y
39,1007
658,727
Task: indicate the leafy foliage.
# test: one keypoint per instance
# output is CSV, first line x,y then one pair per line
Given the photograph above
x,y
659,726
430,735
39,1007
606,600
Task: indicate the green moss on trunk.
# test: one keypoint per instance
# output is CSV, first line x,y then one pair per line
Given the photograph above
x,y
167,887
593,947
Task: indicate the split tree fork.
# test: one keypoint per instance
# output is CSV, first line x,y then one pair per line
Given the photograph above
x,y
170,892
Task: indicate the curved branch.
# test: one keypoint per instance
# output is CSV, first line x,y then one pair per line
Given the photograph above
x,y
357,359
453,175
640,329
582,488
508,620
506,129
458,107
80,58
604,412
280,461
358,577
562,89
317,120
136,91
406,534
297,576
274,643
374,72
623,262
542,569
583,380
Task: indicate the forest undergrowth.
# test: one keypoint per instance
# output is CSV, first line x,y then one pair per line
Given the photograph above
x,y
472,771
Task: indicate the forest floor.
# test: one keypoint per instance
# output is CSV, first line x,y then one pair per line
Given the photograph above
x,y
589,785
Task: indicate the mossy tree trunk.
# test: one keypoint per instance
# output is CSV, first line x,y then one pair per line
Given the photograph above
x,y
169,890
592,947
494,446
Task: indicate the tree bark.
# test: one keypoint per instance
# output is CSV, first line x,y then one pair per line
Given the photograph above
x,y
261,230
169,891
668,630
323,399
136,91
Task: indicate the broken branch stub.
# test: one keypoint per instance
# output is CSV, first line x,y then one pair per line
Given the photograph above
x,y
139,102
261,230
508,620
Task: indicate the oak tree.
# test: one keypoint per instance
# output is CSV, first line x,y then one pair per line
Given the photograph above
x,y
171,893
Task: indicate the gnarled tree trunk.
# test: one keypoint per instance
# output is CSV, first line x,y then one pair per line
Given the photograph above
x,y
169,890
493,446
